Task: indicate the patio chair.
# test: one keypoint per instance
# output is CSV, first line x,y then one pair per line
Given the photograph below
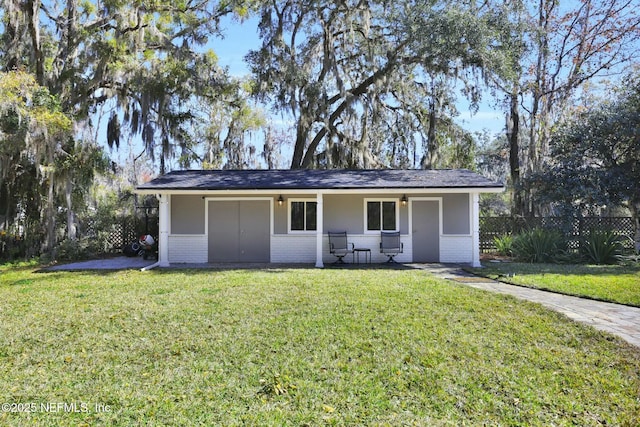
x,y
390,244
338,245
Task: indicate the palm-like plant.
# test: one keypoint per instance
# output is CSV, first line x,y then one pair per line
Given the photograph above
x,y
538,245
601,247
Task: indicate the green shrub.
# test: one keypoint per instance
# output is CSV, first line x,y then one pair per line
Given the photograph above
x,y
69,250
568,256
601,247
504,245
77,250
538,245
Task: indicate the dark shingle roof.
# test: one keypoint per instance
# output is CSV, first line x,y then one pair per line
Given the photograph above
x,y
317,179
302,179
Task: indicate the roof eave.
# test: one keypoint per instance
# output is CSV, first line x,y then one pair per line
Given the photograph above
x,y
408,190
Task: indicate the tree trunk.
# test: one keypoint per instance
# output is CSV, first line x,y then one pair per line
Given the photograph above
x,y
303,158
269,149
298,150
513,131
51,218
432,142
12,41
71,221
33,12
7,212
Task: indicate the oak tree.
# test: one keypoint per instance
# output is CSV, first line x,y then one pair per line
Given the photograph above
x,y
595,159
356,76
559,47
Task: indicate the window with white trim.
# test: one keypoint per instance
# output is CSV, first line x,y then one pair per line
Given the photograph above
x,y
303,215
381,215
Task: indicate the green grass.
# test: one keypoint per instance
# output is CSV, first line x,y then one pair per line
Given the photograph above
x,y
612,283
300,347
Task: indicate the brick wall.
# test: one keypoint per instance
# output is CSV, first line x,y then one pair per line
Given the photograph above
x,y
293,248
188,248
302,248
456,249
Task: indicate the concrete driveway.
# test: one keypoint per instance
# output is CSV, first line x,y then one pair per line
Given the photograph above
x,y
117,263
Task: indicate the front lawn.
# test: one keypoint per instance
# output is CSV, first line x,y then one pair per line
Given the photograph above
x,y
612,283
298,347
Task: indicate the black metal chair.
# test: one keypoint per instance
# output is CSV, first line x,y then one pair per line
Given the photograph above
x,y
338,245
390,244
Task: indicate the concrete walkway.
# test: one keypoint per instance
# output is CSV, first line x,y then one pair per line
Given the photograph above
x,y
117,263
617,319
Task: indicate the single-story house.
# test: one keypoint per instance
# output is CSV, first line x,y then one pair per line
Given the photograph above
x,y
283,216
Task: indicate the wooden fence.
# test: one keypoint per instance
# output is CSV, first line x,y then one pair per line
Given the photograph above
x,y
573,228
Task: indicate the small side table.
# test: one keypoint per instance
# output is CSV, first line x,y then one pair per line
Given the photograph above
x,y
367,254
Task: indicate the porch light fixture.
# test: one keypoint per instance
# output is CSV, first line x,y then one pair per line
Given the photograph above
x,y
280,200
404,200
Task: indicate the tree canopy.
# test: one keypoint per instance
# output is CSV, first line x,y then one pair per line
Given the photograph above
x,y
595,159
144,60
558,48
69,63
365,81
32,130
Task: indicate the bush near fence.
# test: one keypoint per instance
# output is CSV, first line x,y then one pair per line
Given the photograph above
x,y
112,237
95,237
574,229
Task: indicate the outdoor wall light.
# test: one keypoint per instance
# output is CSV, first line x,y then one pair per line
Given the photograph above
x,y
404,200
280,200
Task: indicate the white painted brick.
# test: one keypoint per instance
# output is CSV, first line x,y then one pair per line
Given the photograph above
x,y
456,249
301,248
293,248
188,248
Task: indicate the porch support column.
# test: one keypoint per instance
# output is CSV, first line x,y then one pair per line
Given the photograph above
x,y
319,229
164,223
475,229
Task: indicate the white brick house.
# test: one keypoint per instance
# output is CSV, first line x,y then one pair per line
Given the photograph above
x,y
283,216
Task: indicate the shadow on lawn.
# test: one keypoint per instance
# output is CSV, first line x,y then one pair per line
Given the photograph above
x,y
274,268
213,267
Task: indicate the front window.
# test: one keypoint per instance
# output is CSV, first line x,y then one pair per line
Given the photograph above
x,y
303,216
382,215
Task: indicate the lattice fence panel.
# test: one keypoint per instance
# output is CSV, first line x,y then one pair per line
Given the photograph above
x,y
575,229
121,231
